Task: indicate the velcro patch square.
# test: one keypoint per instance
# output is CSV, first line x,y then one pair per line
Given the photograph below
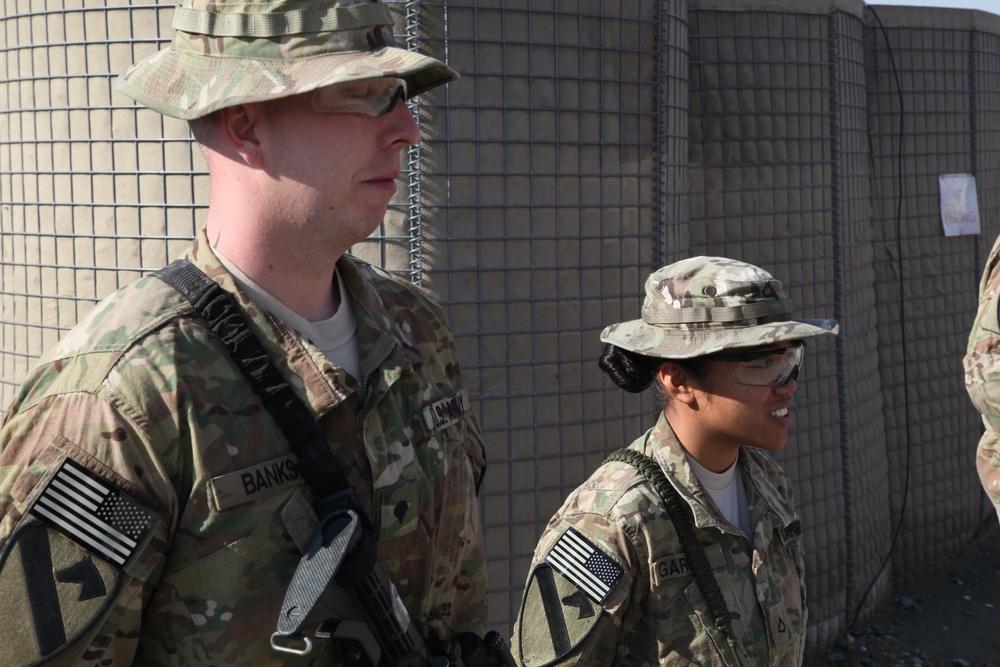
x,y
445,412
94,513
584,565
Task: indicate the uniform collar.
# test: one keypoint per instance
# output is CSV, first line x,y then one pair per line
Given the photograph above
x,y
383,345
764,500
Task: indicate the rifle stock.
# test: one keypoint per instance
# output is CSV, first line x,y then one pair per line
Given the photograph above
x,y
367,613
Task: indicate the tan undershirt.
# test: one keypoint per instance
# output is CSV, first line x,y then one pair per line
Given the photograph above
x,y
336,337
726,489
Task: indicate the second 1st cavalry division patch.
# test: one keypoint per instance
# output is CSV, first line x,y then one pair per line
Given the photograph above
x,y
562,602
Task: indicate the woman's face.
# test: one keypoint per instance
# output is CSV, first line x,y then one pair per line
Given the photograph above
x,y
732,412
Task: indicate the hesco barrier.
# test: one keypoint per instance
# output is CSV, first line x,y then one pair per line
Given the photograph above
x,y
538,186
586,144
934,104
92,192
780,177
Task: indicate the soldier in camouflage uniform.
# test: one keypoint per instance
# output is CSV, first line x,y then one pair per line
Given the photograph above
x,y
982,375
611,583
152,512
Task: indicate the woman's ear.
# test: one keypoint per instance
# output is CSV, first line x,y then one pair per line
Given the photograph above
x,y
677,383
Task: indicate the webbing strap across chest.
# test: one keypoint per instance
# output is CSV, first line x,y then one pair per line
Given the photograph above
x,y
680,516
225,319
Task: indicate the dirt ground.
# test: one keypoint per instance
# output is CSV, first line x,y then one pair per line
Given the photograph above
x,y
952,620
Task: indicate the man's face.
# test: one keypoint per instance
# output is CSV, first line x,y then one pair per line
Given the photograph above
x,y
334,173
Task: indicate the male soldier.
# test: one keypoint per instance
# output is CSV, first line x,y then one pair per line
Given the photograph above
x,y
152,511
982,375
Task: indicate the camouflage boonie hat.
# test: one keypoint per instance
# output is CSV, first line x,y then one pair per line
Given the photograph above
x,y
703,305
226,53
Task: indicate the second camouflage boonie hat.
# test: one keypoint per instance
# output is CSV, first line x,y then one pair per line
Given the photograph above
x,y
703,305
232,52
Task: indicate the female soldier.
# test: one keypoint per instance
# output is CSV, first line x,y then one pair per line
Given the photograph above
x,y
691,556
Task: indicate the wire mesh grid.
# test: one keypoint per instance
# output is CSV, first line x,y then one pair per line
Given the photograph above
x,y
539,213
927,86
864,462
777,139
985,64
93,191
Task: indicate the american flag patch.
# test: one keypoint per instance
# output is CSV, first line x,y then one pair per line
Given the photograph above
x,y
584,565
95,514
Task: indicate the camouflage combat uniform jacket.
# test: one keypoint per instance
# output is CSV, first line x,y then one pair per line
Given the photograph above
x,y
982,375
610,583
143,406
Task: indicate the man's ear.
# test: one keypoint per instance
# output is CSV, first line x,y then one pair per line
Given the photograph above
x,y
239,132
676,383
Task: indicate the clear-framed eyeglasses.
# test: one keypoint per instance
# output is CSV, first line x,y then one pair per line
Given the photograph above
x,y
371,97
766,368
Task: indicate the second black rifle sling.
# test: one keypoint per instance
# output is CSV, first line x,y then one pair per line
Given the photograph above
x,y
680,516
313,595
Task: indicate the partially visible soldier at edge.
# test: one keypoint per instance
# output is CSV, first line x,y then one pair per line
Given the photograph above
x,y
982,375
152,512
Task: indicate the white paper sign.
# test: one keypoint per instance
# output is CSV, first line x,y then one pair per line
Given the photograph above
x,y
959,204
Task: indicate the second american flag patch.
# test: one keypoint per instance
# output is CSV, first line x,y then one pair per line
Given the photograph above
x,y
584,565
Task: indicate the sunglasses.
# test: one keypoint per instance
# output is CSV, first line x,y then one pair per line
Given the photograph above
x,y
766,368
371,97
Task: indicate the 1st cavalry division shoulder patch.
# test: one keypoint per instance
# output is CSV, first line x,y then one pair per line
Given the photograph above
x,y
62,565
562,603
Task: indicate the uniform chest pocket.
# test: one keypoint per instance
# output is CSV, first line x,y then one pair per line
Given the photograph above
x,y
232,596
704,641
428,480
676,596
785,613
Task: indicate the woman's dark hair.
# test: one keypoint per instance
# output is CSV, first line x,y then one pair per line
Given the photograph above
x,y
635,372
631,371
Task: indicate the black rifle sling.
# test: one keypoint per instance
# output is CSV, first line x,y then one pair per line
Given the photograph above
x,y
225,318
397,635
680,516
